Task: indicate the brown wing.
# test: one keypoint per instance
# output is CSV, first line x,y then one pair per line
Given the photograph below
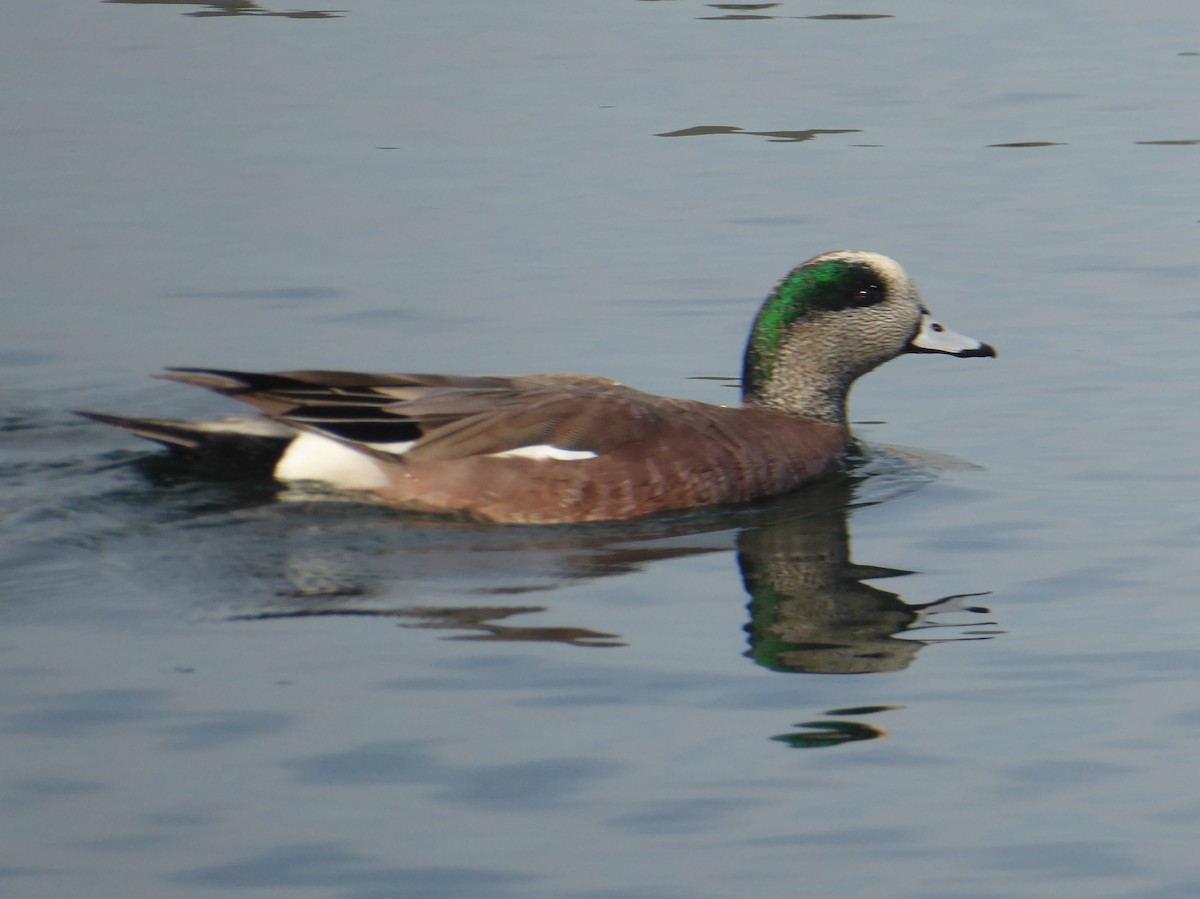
x,y
652,454
444,417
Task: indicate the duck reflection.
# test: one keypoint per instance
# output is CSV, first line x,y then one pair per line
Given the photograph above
x,y
479,623
811,612
810,608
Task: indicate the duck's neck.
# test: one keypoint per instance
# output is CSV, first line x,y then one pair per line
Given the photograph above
x,y
800,388
807,372
793,357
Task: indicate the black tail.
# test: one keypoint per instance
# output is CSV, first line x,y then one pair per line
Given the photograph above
x,y
243,446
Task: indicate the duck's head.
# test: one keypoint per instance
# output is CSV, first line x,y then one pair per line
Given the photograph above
x,y
831,320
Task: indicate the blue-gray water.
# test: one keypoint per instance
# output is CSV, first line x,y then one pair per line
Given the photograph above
x,y
209,690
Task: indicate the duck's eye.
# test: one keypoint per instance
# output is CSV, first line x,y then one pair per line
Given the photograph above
x,y
868,295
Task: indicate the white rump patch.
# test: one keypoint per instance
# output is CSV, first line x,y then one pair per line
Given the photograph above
x,y
311,457
545,452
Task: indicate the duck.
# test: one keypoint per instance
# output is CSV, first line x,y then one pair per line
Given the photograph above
x,y
567,449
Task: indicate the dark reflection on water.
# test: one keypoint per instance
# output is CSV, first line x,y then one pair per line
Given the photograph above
x,y
852,17
1025,144
478,621
238,8
809,611
837,731
752,11
830,733
774,136
745,7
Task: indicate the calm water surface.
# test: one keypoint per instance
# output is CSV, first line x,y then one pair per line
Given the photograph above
x,y
967,669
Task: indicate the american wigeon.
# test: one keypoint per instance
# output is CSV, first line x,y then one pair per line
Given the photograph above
x,y
542,449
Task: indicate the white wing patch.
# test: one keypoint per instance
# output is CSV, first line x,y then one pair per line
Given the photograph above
x,y
545,452
396,449
311,457
251,426
541,451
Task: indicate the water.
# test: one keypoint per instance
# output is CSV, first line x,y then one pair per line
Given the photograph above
x,y
968,669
